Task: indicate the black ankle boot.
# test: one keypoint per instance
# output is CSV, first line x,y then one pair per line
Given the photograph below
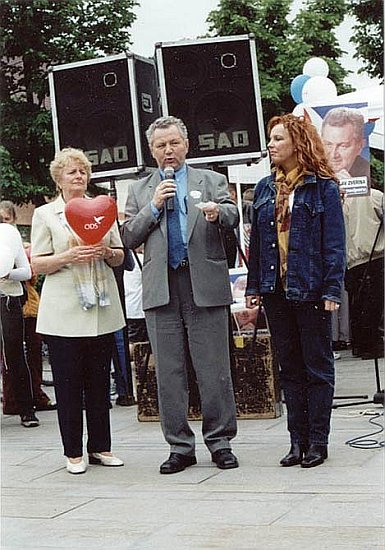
x,y
295,455
315,456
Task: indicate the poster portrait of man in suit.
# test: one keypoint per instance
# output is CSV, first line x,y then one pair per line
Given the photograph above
x,y
343,135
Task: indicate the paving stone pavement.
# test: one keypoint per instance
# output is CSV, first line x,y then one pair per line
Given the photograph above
x,y
260,505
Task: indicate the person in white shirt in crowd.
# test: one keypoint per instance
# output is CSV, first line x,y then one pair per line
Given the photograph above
x,y
136,322
14,266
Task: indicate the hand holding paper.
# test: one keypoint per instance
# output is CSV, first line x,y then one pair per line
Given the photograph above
x,y
210,210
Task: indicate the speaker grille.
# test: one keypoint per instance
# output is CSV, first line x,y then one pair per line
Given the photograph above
x,y
211,87
94,113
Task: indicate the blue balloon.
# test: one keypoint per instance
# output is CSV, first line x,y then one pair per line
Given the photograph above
x,y
369,127
296,87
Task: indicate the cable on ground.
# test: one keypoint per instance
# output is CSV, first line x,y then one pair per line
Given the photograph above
x,y
363,441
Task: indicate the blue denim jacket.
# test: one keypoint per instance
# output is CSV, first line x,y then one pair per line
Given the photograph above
x,y
316,258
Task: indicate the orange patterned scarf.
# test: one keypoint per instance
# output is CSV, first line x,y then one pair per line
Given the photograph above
x,y
285,183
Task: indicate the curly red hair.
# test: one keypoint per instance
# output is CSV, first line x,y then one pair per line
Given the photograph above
x,y
310,151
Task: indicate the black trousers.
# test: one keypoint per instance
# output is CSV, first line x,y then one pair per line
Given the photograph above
x,y
365,286
12,329
81,374
33,353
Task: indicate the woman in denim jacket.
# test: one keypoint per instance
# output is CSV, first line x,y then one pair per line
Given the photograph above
x,y
296,265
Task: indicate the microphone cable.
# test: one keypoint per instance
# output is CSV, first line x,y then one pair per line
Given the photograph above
x,y
363,441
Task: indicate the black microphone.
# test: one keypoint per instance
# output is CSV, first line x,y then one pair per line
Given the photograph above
x,y
169,174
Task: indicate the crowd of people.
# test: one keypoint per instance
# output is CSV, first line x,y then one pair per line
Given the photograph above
x,y
311,250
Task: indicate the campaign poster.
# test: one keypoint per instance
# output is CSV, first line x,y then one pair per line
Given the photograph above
x,y
344,132
244,320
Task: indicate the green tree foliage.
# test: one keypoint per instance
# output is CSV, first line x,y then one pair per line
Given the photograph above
x,y
36,34
315,26
10,178
283,45
368,35
377,167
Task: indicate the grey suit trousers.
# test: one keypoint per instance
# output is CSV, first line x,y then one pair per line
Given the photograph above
x,y
173,329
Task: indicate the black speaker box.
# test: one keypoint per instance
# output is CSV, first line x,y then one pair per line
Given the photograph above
x,y
212,85
103,106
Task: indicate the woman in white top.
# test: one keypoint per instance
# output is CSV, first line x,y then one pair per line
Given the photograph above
x,y
78,314
14,267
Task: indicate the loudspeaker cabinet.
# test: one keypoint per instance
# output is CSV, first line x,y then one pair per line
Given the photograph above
x,y
212,85
254,373
103,106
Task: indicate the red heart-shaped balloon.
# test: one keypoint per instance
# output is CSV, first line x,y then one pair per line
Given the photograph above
x,y
91,218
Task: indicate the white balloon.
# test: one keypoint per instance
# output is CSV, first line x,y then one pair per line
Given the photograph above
x,y
316,66
10,236
7,260
298,110
318,88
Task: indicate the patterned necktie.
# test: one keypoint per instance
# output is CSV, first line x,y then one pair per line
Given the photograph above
x,y
176,249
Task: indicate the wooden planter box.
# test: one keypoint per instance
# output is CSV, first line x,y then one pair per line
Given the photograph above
x,y
255,380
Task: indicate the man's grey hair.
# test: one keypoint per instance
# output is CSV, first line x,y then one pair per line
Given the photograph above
x,y
341,116
165,122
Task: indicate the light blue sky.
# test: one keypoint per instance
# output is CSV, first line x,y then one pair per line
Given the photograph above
x,y
173,20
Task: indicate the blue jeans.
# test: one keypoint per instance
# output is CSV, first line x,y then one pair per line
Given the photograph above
x,y
119,359
301,333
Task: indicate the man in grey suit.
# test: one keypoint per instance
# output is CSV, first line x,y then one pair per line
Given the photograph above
x,y
177,212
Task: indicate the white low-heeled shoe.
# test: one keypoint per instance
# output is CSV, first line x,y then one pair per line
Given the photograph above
x,y
104,460
76,467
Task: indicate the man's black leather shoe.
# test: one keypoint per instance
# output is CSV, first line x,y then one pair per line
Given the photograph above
x,y
294,456
177,462
224,459
315,456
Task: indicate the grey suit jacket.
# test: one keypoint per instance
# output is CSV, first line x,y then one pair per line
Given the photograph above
x,y
206,254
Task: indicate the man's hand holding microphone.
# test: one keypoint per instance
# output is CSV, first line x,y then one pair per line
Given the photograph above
x,y
165,191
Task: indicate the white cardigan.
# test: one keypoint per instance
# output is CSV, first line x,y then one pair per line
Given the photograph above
x,y
21,271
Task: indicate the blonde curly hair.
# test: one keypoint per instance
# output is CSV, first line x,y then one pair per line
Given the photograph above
x,y
64,157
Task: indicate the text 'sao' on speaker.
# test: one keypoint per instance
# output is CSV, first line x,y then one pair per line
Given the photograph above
x,y
97,106
212,85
